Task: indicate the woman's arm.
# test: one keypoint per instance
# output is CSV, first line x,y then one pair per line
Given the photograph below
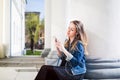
x,y
62,51
77,58
59,52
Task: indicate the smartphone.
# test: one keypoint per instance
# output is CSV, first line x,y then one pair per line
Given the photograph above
x,y
55,39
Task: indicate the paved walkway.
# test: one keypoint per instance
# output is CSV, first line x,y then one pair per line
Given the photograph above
x,y
20,68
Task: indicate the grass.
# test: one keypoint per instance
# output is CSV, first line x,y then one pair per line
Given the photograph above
x,y
29,52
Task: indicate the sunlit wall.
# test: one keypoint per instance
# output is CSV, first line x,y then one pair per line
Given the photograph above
x,y
100,18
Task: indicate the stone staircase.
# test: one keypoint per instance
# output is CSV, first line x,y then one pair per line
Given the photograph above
x,y
20,68
24,61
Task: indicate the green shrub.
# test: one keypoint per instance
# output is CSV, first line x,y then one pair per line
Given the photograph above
x,y
29,52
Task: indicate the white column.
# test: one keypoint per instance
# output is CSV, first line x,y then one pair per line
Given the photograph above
x,y
17,32
47,44
1,21
23,4
5,27
58,21
58,27
47,24
1,29
6,30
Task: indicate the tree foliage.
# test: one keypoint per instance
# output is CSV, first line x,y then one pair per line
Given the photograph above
x,y
36,38
31,23
38,29
34,27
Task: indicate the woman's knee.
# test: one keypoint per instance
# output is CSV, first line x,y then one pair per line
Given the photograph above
x,y
46,67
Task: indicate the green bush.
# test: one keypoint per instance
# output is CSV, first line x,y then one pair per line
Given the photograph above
x,y
29,52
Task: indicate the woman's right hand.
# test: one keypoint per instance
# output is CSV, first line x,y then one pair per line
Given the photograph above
x,y
57,47
56,44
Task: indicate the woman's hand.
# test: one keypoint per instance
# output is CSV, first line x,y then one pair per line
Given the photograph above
x,y
59,45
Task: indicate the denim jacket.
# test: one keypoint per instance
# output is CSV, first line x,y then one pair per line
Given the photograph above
x,y
78,59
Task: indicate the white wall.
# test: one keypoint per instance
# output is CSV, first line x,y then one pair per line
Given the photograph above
x,y
114,28
1,20
5,26
55,22
23,5
93,14
17,27
101,20
6,30
47,24
6,21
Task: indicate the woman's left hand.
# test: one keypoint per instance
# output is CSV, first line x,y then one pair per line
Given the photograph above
x,y
60,45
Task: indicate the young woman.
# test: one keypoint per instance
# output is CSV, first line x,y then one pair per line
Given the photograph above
x,y
72,54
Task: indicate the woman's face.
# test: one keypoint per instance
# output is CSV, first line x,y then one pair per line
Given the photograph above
x,y
71,32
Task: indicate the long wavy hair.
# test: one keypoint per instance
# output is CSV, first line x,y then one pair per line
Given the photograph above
x,y
80,36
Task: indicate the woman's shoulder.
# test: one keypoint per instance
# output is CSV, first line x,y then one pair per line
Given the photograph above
x,y
79,42
79,46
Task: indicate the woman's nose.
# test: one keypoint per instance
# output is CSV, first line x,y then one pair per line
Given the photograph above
x,y
68,30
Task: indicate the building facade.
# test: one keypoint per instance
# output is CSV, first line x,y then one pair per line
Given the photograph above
x,y
12,26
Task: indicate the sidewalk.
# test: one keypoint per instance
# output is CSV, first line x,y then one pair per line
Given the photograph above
x,y
20,68
14,73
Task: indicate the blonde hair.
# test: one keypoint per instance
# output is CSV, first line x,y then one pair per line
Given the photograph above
x,y
80,36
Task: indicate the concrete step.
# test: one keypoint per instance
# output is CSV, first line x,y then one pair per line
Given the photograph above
x,y
29,61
